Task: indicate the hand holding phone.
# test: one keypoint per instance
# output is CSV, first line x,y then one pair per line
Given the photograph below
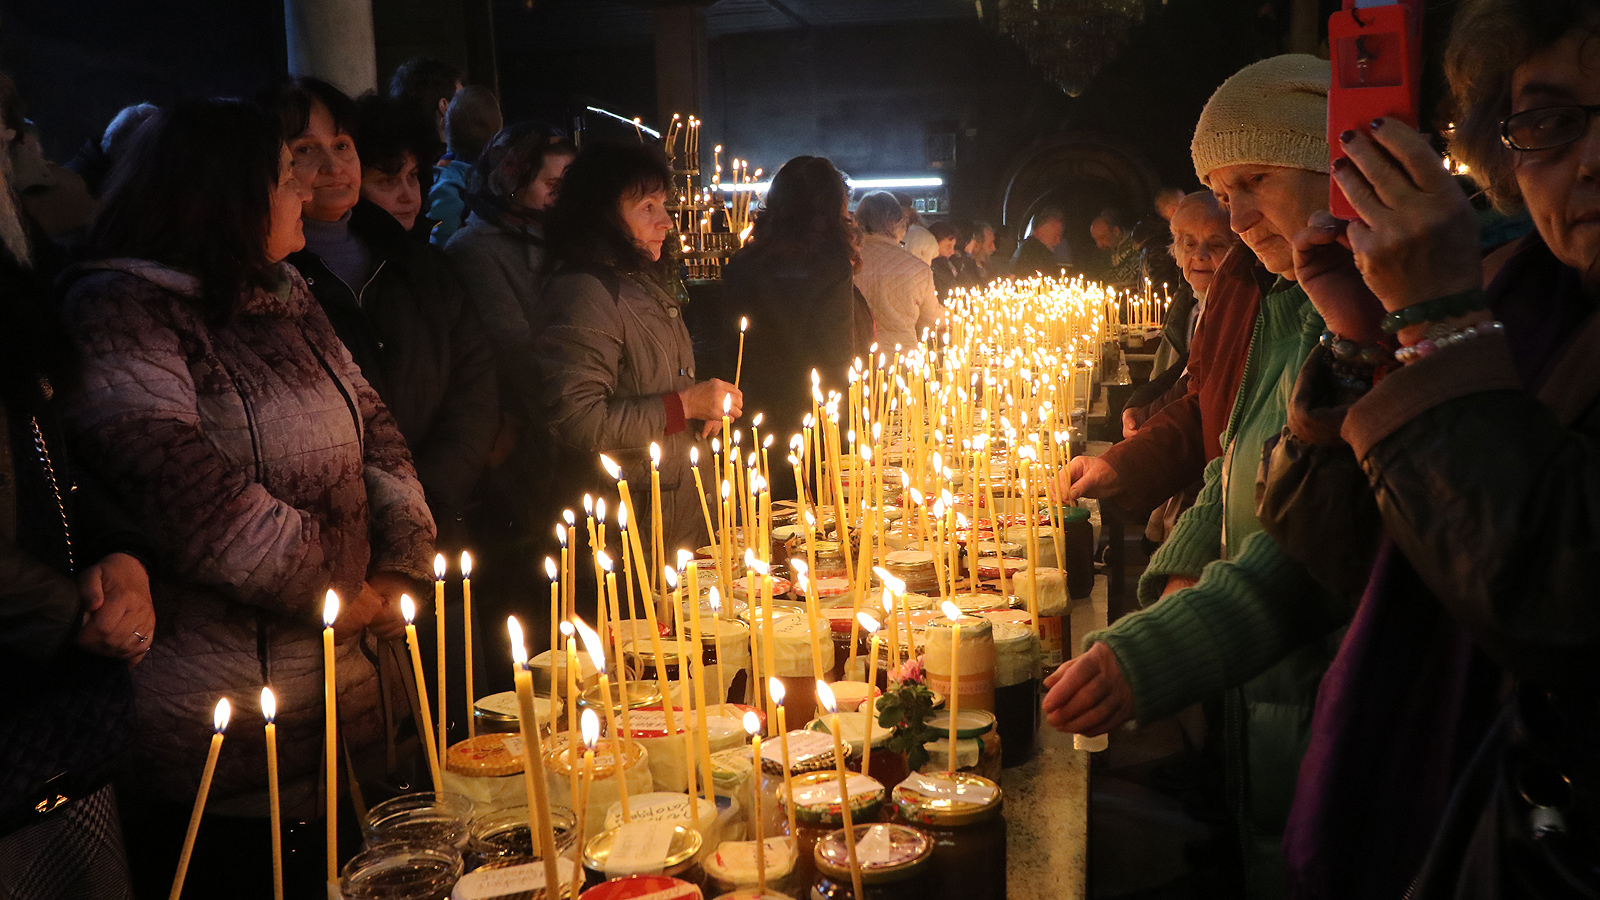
x,y
1376,53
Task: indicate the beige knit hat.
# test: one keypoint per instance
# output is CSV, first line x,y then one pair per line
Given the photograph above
x,y
1270,113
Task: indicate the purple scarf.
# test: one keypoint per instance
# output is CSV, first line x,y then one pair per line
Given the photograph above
x,y
1408,696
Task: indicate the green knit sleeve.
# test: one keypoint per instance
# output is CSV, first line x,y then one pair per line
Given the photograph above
x,y
1194,542
1244,615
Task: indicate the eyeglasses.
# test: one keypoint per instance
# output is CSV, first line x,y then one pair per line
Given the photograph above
x,y
1546,128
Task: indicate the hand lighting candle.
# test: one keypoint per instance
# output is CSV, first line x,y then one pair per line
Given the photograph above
x,y
269,711
826,700
408,611
219,722
752,727
466,631
330,729
533,760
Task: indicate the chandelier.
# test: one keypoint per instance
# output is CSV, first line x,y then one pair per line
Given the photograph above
x,y
1070,41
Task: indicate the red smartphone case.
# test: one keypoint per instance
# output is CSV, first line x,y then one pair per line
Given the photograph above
x,y
1377,72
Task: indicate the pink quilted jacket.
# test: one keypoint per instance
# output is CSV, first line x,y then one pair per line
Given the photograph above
x,y
266,470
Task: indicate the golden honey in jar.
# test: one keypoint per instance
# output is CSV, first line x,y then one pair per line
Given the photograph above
x,y
818,811
961,814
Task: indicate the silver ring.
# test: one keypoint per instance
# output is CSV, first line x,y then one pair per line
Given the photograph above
x,y
141,637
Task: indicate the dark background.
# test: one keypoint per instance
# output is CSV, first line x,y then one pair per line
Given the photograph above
x,y
864,82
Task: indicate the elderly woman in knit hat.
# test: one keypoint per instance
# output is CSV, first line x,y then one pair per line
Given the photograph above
x,y
1254,627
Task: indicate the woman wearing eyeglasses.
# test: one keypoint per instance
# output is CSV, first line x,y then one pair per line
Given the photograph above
x,y
1456,742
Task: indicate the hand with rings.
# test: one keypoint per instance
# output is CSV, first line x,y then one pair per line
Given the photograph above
x,y
119,618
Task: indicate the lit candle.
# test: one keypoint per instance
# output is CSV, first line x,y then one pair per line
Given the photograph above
x,y
591,736
775,688
555,617
533,759
438,618
670,578
269,711
802,581
466,630
826,700
697,657
954,615
715,599
871,625
330,728
738,368
408,611
219,722
700,492
752,727
657,539
597,654
568,563
608,595
570,636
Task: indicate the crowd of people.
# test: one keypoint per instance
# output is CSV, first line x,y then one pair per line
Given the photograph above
x,y
262,348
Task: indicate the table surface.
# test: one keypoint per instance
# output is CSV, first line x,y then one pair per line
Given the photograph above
x,y
1047,800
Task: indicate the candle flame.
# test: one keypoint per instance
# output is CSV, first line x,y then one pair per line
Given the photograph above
x,y
466,564
727,404
715,599
604,559
600,510
550,568
592,644
775,688
611,467
519,650
744,322
655,453
867,622
758,419
825,697
752,723
589,724
269,705
219,718
950,610
685,558
754,564
567,630
561,535
694,456
330,608
890,582
408,608
588,504
622,515
916,495
671,575
726,488
438,566
888,603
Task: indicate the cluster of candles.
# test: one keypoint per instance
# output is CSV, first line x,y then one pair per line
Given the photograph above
x,y
993,393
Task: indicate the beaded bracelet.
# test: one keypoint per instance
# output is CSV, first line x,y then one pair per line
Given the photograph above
x,y
1436,310
1444,338
1346,350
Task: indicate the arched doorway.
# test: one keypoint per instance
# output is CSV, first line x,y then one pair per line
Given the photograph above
x,y
1081,175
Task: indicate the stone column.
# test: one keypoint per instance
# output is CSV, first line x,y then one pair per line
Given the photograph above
x,y
332,40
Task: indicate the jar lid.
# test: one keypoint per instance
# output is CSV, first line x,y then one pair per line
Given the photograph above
x,y
560,759
640,695
638,887
950,798
832,586
808,752
972,723
750,587
826,548
494,881
388,868
734,863
842,618
852,730
645,652
972,604
502,708
503,835
642,848
1007,617
907,559
1074,514
884,853
490,755
816,798
989,566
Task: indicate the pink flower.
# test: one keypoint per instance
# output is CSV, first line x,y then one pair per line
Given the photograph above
x,y
909,671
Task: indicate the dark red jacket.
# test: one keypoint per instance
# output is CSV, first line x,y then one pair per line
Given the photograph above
x,y
1171,450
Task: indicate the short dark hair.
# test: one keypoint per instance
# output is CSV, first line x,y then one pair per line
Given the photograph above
x,y
585,227
387,129
425,81
1113,218
1489,39
943,231
472,120
194,192
802,216
1048,214
293,99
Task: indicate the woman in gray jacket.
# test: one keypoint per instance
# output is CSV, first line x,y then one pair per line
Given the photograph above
x,y
617,363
